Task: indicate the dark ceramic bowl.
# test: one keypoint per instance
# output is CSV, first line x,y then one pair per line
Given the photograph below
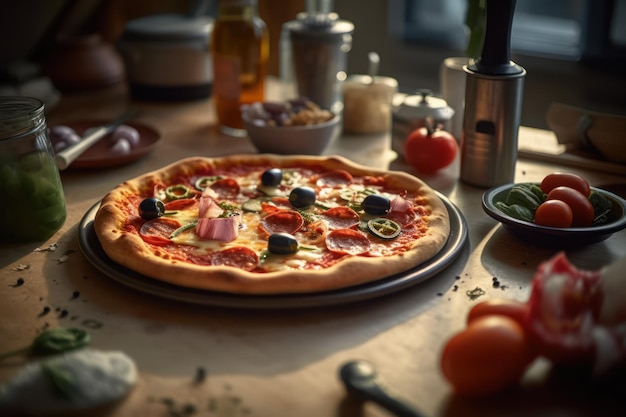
x,y
556,236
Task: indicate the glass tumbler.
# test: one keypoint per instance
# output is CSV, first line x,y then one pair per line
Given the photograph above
x,y
33,204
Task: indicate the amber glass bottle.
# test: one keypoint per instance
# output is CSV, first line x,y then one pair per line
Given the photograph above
x,y
240,52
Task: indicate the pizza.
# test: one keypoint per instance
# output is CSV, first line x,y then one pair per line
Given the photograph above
x,y
267,224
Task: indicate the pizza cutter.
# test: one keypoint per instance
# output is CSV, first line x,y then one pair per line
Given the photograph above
x,y
359,378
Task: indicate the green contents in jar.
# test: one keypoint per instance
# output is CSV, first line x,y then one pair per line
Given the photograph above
x,y
33,205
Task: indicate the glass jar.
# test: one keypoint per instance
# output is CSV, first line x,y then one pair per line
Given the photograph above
x,y
33,203
240,53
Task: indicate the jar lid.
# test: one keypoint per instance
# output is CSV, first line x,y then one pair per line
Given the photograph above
x,y
378,80
319,25
168,27
423,105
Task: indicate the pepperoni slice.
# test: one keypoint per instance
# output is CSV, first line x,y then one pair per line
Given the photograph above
x,y
269,208
157,231
334,178
239,257
402,218
349,241
370,180
341,217
284,221
180,204
226,187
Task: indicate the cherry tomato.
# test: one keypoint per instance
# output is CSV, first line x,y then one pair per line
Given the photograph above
x,y
582,209
554,213
567,179
428,151
487,357
513,309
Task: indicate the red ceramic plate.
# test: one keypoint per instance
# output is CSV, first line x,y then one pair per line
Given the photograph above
x,y
99,155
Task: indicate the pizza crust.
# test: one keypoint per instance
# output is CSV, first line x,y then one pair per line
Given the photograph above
x,y
131,251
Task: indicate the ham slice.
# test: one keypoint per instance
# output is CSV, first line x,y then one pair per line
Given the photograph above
x,y
224,229
212,227
578,316
400,204
208,207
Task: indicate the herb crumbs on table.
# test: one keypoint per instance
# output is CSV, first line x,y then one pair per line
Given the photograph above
x,y
200,375
19,282
92,324
45,311
475,293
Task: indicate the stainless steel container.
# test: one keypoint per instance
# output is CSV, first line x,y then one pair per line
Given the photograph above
x,y
314,60
493,104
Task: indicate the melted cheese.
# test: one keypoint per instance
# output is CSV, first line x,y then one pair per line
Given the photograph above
x,y
249,235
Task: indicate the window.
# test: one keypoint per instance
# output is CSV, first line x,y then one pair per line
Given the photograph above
x,y
554,29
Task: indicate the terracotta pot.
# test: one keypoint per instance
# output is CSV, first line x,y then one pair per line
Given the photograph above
x,y
83,63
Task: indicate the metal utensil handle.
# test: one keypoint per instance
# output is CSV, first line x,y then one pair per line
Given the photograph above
x,y
65,158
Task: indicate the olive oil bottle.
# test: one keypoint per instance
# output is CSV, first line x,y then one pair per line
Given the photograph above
x,y
240,53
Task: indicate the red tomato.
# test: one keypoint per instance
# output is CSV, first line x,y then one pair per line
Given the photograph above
x,y
516,310
487,357
567,179
429,151
554,213
582,209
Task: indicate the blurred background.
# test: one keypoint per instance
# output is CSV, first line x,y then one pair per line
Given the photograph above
x,y
573,50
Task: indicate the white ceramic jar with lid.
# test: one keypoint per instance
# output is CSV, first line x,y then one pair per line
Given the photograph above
x,y
167,57
367,104
411,113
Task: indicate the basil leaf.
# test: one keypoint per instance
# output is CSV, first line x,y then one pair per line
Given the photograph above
x,y
516,211
601,206
59,340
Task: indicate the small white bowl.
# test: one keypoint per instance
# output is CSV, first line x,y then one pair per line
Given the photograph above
x,y
293,140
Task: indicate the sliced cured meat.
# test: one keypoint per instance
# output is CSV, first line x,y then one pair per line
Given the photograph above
x,y
284,221
157,231
208,207
238,257
226,187
340,218
348,241
335,178
562,305
181,204
224,229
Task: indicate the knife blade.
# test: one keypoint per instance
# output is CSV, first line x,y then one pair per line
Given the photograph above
x,y
65,158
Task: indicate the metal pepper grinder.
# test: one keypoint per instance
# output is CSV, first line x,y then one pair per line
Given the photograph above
x,y
493,104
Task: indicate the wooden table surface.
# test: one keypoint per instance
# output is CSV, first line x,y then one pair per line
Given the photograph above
x,y
284,362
